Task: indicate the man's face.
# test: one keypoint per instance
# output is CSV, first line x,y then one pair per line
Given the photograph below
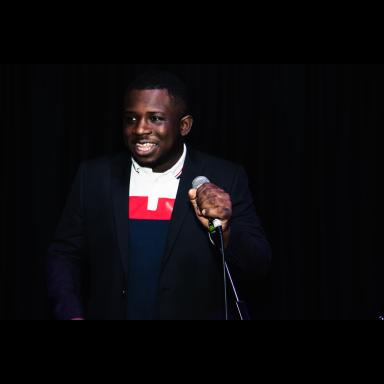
x,y
154,128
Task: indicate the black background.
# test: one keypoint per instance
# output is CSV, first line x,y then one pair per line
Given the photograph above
x,y
308,135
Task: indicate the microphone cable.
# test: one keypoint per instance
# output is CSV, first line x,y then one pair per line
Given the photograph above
x,y
225,270
240,305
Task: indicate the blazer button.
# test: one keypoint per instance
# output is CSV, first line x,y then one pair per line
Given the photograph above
x,y
124,293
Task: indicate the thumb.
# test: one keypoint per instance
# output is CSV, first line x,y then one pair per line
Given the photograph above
x,y
193,198
192,194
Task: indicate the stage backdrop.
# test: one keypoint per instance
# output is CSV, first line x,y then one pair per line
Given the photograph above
x,y
308,135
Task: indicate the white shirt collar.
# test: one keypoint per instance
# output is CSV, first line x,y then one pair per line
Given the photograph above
x,y
175,171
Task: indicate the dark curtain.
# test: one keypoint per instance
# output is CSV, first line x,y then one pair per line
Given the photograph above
x,y
308,135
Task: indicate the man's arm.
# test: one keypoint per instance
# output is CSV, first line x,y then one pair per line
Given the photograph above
x,y
247,249
65,259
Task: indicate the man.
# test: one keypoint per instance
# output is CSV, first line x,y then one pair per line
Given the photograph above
x,y
133,241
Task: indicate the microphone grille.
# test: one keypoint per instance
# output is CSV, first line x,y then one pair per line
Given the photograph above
x,y
199,181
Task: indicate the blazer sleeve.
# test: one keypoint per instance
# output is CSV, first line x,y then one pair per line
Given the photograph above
x,y
249,252
66,256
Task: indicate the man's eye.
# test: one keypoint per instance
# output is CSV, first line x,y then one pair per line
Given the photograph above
x,y
157,119
130,119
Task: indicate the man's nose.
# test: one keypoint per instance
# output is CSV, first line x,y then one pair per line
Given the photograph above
x,y
142,127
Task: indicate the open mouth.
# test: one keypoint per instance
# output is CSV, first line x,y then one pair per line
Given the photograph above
x,y
145,148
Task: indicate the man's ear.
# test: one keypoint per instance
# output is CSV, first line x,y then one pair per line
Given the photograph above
x,y
186,124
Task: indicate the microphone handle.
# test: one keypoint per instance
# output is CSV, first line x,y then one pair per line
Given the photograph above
x,y
214,225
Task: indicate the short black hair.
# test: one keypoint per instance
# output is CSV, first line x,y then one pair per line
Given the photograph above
x,y
163,80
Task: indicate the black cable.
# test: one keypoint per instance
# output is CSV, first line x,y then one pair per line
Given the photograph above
x,y
225,269
241,305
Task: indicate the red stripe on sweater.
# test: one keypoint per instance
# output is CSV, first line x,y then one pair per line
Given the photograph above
x,y
138,209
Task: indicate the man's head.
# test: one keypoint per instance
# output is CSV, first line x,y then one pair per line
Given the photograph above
x,y
157,120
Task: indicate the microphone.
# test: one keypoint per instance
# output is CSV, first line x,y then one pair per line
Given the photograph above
x,y
214,224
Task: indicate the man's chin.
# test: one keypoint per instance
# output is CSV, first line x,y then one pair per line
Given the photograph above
x,y
145,162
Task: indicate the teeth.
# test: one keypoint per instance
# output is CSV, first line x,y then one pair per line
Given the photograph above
x,y
145,147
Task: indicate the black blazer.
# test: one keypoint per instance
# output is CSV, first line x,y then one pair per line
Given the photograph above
x,y
87,262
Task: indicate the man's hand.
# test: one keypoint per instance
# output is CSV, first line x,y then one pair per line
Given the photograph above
x,y
211,202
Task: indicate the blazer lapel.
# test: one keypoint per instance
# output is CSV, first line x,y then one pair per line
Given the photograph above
x,y
182,205
121,177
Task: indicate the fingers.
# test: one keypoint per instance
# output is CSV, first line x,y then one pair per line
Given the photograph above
x,y
209,191
211,202
217,213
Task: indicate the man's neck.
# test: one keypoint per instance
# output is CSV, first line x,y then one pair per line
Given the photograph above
x,y
168,166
